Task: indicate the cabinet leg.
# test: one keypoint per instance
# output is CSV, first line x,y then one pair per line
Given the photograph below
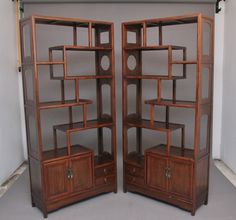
x,y
193,212
45,214
206,201
124,189
32,202
115,189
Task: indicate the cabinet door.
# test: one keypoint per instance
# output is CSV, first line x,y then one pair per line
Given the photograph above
x,y
156,172
82,168
180,182
56,180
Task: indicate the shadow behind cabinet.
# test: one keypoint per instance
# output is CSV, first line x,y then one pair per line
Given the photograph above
x,y
61,175
176,174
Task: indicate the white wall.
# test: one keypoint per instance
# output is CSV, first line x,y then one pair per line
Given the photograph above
x,y
218,82
228,144
11,150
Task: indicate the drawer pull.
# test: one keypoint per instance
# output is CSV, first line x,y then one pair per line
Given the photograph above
x,y
133,179
105,171
105,180
69,173
134,170
168,173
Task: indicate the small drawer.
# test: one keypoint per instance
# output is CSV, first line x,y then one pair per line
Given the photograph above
x,y
134,180
107,180
104,171
134,170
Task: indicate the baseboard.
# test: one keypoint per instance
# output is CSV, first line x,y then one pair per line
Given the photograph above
x,y
11,180
226,171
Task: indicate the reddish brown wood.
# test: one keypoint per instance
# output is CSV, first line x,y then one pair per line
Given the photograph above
x,y
64,175
174,174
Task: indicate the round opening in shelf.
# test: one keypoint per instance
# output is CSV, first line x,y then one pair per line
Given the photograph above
x,y
131,62
105,62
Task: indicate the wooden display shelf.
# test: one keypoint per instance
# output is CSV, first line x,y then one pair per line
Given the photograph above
x,y
157,125
177,175
175,151
63,104
65,175
172,103
90,124
62,152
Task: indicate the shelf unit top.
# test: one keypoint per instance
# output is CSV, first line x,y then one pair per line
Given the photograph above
x,y
61,21
176,20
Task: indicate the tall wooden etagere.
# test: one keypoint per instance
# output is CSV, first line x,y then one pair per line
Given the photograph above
x,y
178,175
63,175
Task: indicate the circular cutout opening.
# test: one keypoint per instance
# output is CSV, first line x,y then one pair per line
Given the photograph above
x,y
105,62
131,62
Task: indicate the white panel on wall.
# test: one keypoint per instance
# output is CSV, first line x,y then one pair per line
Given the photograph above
x,y
228,143
218,83
11,150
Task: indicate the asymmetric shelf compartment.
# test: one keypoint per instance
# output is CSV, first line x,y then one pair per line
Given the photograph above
x,y
63,169
167,171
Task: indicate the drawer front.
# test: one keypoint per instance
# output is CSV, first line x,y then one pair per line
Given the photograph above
x,y
103,181
134,171
134,180
104,171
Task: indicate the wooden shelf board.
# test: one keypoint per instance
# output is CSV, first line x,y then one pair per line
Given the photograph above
x,y
157,125
135,158
61,104
174,151
63,152
184,62
82,77
50,62
96,123
154,77
103,158
78,48
170,102
156,47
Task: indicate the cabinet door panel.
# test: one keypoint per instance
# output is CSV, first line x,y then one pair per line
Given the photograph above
x,y
82,168
56,181
156,176
181,178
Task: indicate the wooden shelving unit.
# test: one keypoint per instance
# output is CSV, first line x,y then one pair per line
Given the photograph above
x,y
178,175
63,175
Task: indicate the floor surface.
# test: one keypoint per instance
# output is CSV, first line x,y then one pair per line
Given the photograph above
x,y
16,205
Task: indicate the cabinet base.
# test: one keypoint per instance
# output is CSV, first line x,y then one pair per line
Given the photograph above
x,y
56,204
186,205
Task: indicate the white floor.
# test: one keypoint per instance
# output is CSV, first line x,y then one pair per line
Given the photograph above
x,y
16,205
